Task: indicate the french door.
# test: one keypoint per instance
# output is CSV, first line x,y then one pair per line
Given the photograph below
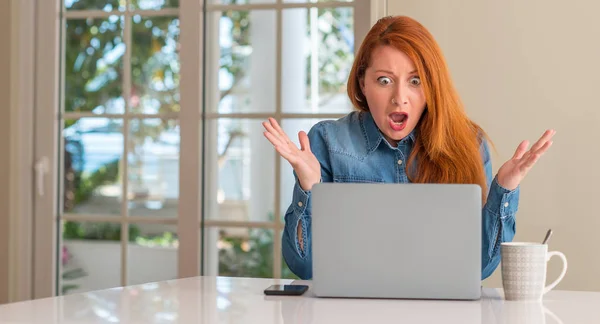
x,y
150,159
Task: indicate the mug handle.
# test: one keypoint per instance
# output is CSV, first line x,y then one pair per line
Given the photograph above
x,y
562,274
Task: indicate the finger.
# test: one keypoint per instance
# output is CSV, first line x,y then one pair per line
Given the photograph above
x,y
280,131
267,125
304,142
543,139
531,158
282,135
544,148
286,154
284,151
276,139
530,161
521,149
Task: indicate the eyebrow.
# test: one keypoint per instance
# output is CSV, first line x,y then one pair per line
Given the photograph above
x,y
390,72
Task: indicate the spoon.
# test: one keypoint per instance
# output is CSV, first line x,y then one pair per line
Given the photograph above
x,y
548,234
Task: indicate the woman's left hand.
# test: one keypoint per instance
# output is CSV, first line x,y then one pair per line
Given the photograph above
x,y
514,170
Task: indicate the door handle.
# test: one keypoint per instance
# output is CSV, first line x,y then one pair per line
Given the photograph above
x,y
42,166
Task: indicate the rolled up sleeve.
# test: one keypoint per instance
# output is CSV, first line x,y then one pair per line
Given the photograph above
x,y
299,212
498,218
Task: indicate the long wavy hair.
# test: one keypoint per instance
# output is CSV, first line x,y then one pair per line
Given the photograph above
x,y
447,148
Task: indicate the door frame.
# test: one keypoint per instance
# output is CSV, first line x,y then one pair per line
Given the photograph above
x,y
21,110
46,98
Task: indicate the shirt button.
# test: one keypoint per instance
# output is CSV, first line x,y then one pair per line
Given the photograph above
x,y
399,162
300,204
505,204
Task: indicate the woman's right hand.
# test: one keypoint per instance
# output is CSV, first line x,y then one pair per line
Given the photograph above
x,y
304,162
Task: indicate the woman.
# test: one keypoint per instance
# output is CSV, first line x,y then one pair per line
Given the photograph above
x,y
410,126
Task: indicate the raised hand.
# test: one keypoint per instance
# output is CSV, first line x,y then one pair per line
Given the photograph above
x,y
514,170
304,162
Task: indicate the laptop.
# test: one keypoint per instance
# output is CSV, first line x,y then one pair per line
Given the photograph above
x,y
389,240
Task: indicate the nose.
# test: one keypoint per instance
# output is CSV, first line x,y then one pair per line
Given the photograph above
x,y
399,96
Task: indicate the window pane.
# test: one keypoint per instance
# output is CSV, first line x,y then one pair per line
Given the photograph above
x,y
93,148
94,50
90,256
239,171
238,252
242,63
155,65
291,127
105,5
153,167
152,253
153,4
317,55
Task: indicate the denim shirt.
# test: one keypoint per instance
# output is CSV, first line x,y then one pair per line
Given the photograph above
x,y
352,149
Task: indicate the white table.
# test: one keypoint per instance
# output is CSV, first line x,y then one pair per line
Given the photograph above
x,y
241,300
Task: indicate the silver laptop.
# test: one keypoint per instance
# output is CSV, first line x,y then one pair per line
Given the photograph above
x,y
384,240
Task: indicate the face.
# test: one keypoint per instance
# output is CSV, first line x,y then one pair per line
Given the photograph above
x,y
394,93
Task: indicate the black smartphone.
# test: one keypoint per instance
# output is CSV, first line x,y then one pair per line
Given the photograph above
x,y
286,290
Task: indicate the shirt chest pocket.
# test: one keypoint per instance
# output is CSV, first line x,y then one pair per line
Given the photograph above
x,y
357,179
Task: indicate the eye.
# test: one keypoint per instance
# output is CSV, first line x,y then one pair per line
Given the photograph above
x,y
415,81
384,80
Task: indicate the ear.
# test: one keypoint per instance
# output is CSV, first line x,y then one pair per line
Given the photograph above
x,y
361,82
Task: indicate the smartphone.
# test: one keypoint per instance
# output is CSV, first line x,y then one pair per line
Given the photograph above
x,y
286,290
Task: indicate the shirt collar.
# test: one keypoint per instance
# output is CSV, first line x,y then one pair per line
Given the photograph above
x,y
373,135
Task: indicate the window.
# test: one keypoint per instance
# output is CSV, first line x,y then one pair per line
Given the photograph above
x,y
120,142
285,60
162,170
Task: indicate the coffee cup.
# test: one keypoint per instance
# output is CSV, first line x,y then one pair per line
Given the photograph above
x,y
524,267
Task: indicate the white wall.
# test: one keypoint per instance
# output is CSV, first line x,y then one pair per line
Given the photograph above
x,y
521,67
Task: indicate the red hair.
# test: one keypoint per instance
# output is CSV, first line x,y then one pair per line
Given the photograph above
x,y
447,146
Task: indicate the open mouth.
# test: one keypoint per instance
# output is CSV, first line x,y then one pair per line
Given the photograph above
x,y
398,120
